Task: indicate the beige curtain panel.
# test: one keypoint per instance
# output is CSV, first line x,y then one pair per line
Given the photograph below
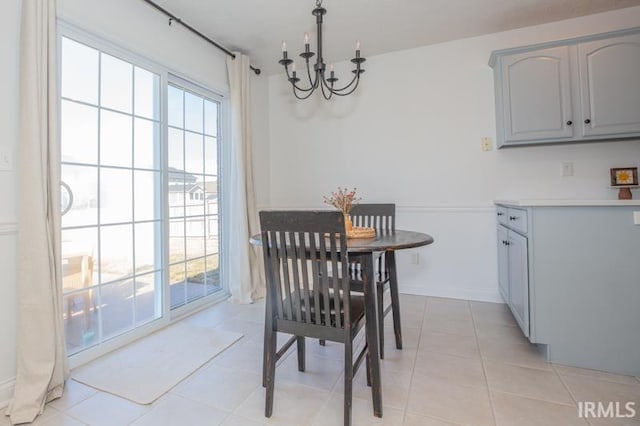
x,y
246,281
41,357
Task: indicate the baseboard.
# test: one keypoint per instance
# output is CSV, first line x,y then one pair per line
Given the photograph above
x,y
452,293
6,392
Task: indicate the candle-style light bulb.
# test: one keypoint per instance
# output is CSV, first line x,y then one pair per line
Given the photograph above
x,y
284,46
293,68
331,67
357,44
306,38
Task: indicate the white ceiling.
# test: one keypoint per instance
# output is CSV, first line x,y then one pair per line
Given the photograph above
x,y
258,27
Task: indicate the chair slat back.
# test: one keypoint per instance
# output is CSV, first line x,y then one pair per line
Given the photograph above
x,y
305,269
381,217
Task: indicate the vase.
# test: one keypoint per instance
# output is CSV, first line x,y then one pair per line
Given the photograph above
x,y
348,226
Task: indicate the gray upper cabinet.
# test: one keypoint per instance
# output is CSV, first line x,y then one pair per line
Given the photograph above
x,y
610,85
569,91
536,91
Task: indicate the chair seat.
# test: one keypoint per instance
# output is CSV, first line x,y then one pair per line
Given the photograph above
x,y
357,310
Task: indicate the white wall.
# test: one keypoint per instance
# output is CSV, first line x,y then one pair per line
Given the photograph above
x,y
140,29
412,134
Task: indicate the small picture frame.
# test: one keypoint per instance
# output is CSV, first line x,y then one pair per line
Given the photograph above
x,y
624,176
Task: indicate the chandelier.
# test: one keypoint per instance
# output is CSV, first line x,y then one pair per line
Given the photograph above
x,y
318,78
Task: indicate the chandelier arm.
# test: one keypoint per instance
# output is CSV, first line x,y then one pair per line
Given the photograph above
x,y
311,82
323,84
305,94
301,97
302,89
350,91
346,87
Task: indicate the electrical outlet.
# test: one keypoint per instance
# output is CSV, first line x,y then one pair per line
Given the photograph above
x,y
485,143
415,258
567,169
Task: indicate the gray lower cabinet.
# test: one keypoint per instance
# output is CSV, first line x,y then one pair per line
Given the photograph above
x,y
513,266
503,262
571,277
519,280
576,90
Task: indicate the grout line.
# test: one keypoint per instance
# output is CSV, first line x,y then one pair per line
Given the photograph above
x,y
597,378
553,367
575,400
415,360
534,399
484,368
432,417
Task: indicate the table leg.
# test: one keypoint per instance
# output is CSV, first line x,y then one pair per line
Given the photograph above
x,y
369,284
395,296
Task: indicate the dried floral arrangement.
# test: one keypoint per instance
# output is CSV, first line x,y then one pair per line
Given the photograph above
x,y
342,199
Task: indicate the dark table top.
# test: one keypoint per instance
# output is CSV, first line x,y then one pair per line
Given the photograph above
x,y
383,241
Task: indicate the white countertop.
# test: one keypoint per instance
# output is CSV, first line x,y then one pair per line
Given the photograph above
x,y
567,203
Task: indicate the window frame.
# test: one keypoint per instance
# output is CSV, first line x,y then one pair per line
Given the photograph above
x,y
113,47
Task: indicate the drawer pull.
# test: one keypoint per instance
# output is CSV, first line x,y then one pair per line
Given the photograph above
x,y
513,217
500,214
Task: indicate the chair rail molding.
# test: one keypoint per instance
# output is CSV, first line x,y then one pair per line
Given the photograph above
x,y
8,228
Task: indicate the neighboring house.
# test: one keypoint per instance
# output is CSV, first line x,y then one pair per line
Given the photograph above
x,y
195,200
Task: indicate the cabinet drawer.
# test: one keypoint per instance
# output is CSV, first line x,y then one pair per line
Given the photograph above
x,y
516,219
501,213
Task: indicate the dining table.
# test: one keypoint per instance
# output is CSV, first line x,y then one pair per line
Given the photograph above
x,y
363,250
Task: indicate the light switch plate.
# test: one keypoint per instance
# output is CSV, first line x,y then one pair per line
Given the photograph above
x,y
636,218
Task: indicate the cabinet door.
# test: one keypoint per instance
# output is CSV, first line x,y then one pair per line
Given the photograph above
x,y
503,263
537,95
610,85
519,280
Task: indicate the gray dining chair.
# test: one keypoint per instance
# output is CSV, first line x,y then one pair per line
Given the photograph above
x,y
309,292
381,217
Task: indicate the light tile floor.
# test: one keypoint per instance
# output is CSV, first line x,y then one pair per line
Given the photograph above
x,y
463,363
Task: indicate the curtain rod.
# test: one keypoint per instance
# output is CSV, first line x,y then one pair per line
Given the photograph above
x,y
172,18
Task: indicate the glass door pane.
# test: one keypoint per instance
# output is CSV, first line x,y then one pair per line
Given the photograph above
x,y
111,193
192,196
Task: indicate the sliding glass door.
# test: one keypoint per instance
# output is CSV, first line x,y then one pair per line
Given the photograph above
x,y
139,169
